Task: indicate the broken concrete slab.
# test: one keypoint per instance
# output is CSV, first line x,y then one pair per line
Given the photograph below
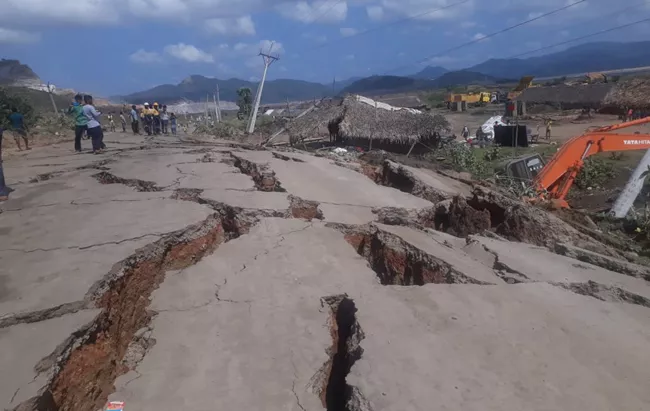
x,y
42,280
444,247
469,347
265,289
530,263
87,226
347,214
28,351
610,263
335,185
423,183
248,199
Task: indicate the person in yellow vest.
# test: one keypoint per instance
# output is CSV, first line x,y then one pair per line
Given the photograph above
x,y
156,119
147,118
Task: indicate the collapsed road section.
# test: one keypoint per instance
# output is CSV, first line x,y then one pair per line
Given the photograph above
x,y
413,316
92,362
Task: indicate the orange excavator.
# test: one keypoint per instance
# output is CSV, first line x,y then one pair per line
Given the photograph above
x,y
556,178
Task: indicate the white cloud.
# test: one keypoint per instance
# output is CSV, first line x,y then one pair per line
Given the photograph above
x,y
241,26
319,11
316,38
375,13
423,10
9,36
348,31
189,53
479,36
65,11
467,24
143,56
247,54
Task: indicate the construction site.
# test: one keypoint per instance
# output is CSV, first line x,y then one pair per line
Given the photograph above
x,y
341,263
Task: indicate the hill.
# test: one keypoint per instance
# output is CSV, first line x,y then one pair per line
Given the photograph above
x,y
583,58
376,85
13,72
196,87
40,100
430,73
387,84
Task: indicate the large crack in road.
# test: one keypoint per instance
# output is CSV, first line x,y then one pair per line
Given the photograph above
x,y
86,366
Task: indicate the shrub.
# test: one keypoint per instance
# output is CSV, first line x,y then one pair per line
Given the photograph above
x,y
9,100
594,173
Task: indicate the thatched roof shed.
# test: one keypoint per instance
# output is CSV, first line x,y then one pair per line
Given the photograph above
x,y
355,118
579,95
631,93
315,122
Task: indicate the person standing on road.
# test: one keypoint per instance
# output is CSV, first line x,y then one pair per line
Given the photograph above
x,y
17,121
94,127
164,117
548,129
147,119
111,122
80,121
156,119
135,120
172,121
123,121
4,190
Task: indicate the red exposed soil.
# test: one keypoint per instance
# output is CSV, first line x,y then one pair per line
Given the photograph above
x,y
304,209
86,379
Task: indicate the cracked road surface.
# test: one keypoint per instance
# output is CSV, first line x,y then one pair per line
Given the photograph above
x,y
184,278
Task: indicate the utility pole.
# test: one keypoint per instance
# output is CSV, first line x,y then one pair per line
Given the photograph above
x,y
268,60
632,189
218,105
216,108
207,96
49,91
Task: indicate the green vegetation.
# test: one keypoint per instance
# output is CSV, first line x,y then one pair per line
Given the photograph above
x,y
245,102
9,100
594,174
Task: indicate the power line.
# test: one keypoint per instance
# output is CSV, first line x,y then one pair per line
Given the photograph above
x,y
474,41
597,18
622,26
390,23
326,11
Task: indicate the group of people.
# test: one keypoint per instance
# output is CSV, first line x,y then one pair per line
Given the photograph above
x,y
155,119
86,119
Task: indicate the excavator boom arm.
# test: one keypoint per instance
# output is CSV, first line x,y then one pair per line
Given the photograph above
x,y
558,175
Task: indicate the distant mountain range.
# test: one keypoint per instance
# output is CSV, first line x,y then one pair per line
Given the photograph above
x,y
376,85
589,57
430,73
584,58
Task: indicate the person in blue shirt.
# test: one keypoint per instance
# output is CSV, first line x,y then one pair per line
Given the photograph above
x,y
17,122
94,127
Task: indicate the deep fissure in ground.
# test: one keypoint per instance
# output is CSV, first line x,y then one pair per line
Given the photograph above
x,y
263,177
397,262
91,364
139,185
335,393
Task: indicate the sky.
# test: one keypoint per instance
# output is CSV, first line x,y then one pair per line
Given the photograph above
x,y
112,47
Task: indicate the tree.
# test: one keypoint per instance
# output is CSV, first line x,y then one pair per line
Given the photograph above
x,y
9,101
245,102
